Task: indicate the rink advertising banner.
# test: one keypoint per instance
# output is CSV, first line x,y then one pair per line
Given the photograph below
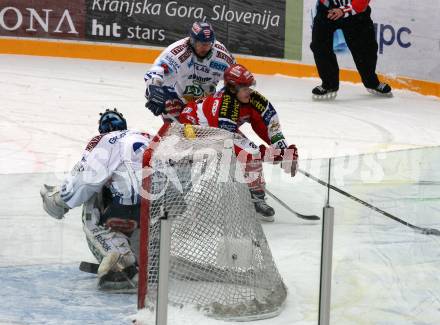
x,y
408,36
61,19
254,27
250,27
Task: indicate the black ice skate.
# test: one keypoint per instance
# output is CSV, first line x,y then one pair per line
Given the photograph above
x,y
120,281
265,212
382,89
321,93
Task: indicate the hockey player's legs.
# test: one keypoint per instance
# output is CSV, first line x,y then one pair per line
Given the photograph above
x,y
361,40
322,48
249,157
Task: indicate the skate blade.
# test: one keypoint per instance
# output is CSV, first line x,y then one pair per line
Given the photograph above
x,y
377,93
328,96
262,218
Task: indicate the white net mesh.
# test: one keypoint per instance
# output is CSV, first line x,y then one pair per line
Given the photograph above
x,y
220,260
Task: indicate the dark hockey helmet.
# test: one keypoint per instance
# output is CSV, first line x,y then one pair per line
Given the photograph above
x,y
202,32
111,120
237,76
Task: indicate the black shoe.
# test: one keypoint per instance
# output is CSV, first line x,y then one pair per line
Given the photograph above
x,y
382,89
321,93
264,211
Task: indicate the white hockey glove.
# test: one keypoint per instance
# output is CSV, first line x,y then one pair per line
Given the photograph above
x,y
52,202
288,157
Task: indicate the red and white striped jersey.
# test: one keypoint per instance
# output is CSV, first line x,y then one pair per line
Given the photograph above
x,y
223,110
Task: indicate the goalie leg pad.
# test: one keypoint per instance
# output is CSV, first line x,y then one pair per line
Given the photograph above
x,y
109,246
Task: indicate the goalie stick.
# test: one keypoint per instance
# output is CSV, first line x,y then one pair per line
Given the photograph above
x,y
89,267
425,231
299,215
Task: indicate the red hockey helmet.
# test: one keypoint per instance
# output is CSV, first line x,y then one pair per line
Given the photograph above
x,y
237,76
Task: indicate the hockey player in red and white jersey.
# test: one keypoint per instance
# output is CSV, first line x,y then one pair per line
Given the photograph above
x,y
234,105
186,70
106,181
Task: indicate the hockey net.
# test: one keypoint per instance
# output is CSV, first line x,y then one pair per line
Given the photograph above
x,y
220,260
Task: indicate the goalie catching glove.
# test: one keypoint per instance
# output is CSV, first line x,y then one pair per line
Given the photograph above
x,y
163,100
287,157
53,204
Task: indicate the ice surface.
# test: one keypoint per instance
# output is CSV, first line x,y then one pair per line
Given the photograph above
x,y
384,273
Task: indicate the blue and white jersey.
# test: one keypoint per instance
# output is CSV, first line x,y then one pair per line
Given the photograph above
x,y
114,160
191,77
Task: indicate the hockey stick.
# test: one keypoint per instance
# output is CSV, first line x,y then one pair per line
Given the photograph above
x,y
425,231
89,267
92,268
299,215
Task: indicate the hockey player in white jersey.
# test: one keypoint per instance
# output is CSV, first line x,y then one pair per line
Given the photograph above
x,y
106,181
185,71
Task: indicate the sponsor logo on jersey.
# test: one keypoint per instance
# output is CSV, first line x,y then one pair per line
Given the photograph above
x,y
215,107
114,139
92,144
199,78
178,49
187,110
185,55
218,66
229,111
259,102
138,147
220,47
171,62
274,127
192,92
277,137
201,67
166,68
192,119
225,57
268,114
227,125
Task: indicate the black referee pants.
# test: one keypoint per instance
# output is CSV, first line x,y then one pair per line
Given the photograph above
x,y
360,38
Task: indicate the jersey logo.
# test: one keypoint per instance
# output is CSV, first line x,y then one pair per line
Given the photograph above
x,y
259,102
220,47
215,107
178,49
218,65
201,67
92,143
185,55
268,114
138,146
166,69
229,113
225,57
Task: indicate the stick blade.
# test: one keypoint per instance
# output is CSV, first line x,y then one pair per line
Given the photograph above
x,y
89,267
431,231
308,217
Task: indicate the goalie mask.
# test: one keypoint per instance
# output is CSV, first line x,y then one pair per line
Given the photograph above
x,y
111,120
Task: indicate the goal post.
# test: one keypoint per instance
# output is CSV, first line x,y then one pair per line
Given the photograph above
x,y
219,259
